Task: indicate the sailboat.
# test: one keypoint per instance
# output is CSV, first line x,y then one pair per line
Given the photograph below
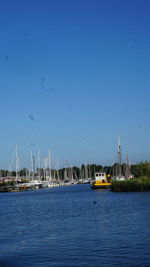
x,y
128,174
33,183
118,175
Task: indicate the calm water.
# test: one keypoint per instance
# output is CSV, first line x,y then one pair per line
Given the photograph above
x,y
74,226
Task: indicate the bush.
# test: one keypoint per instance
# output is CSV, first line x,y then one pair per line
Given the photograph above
x,y
132,185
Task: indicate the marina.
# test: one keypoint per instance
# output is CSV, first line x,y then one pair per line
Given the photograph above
x,y
33,185
40,177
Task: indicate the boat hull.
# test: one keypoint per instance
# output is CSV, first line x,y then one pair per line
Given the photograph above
x,y
101,185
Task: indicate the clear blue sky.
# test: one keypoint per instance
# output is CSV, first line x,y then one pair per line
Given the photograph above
x,y
72,75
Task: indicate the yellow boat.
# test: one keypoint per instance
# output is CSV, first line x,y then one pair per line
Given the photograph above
x,y
101,181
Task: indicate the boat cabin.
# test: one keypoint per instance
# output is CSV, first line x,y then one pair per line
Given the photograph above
x,y
100,176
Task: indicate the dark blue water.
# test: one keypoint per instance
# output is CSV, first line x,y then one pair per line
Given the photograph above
x,y
74,226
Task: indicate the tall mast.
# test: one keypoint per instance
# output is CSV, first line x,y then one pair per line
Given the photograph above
x,y
32,165
119,156
89,171
49,165
65,173
39,165
39,160
58,169
128,167
45,167
71,173
17,162
86,171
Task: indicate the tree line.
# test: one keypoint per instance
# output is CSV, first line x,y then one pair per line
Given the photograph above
x,y
141,169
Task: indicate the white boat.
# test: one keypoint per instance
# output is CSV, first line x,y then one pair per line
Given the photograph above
x,y
118,172
119,178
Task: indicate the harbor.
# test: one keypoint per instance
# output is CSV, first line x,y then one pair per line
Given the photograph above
x,y
74,133
118,177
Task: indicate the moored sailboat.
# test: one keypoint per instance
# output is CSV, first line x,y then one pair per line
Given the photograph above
x,y
118,172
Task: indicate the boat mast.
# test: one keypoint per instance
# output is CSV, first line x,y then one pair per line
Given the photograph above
x,y
49,166
65,172
86,171
39,165
17,162
45,168
71,173
119,156
58,176
128,167
32,165
89,171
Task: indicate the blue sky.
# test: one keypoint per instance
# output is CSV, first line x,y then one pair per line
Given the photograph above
x,y
72,75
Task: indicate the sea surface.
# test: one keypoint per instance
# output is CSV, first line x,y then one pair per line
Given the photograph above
x,y
74,226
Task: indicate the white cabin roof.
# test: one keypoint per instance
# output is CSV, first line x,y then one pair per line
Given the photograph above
x,y
100,175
